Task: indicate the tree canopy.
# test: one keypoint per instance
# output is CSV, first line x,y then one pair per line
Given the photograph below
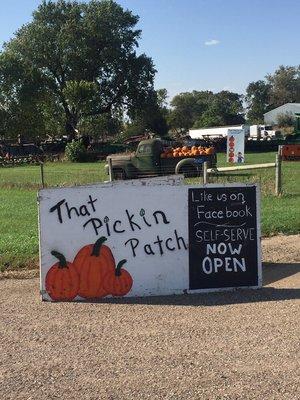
x,y
199,109
75,66
285,85
80,58
153,116
281,87
258,100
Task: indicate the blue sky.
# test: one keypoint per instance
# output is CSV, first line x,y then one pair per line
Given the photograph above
x,y
202,44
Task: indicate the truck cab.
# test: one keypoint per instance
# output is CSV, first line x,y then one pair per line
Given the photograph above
x,y
147,157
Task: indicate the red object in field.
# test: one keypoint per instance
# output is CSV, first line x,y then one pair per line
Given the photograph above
x,y
290,152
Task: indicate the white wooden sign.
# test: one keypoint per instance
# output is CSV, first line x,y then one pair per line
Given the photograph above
x,y
132,239
236,146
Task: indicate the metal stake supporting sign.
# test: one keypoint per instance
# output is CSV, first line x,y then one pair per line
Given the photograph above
x,y
111,176
278,183
42,175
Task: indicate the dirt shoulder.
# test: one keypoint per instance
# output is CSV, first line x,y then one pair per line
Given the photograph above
x,y
281,249
230,345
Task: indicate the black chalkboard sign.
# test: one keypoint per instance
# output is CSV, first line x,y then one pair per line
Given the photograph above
x,y
223,237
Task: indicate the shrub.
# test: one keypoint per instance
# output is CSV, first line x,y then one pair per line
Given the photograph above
x,y
75,151
285,120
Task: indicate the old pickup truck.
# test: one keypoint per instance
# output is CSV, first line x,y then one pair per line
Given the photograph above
x,y
154,158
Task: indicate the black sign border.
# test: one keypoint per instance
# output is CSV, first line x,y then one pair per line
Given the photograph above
x,y
258,224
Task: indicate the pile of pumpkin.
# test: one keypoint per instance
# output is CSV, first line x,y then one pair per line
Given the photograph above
x,y
93,274
186,151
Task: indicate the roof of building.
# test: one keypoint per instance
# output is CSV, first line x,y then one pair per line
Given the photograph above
x,y
283,106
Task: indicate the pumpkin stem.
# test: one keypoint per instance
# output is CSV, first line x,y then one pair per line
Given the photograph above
x,y
97,246
119,266
61,258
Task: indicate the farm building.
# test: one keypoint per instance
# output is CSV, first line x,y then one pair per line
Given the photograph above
x,y
271,117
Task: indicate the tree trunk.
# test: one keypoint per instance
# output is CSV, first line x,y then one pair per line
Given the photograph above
x,y
70,127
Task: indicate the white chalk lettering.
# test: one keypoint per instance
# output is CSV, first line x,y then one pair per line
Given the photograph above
x,y
214,265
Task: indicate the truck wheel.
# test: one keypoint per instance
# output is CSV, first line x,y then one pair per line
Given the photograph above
x,y
119,174
188,171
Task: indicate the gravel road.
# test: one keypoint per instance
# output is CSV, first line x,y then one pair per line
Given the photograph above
x,y
238,345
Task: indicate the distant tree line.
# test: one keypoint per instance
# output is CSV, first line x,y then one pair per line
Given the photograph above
x,y
74,69
277,89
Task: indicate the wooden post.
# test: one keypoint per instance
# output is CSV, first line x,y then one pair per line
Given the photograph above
x,y
111,175
205,175
278,186
42,174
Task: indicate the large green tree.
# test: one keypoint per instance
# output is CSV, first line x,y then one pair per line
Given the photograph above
x,y
258,101
199,109
153,116
281,87
225,108
285,85
187,108
82,56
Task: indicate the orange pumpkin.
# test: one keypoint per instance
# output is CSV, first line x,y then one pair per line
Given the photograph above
x,y
93,262
175,154
119,283
62,279
210,150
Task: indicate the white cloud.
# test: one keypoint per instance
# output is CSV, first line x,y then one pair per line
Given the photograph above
x,y
212,42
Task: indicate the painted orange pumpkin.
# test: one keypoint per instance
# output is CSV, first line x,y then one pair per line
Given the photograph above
x,y
119,283
93,262
62,279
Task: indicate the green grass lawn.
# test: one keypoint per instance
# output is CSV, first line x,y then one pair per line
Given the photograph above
x,y
55,174
18,207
